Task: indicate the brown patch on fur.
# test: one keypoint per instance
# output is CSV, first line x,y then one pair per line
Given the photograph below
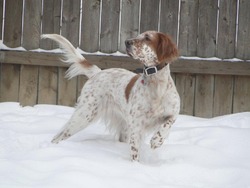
x,y
130,86
86,64
166,49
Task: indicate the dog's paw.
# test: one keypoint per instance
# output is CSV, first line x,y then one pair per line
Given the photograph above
x,y
156,141
135,158
134,154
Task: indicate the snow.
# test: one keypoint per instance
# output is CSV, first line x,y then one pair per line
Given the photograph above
x,y
198,153
211,59
58,50
4,47
117,53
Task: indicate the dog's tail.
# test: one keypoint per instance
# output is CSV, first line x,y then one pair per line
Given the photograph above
x,y
78,64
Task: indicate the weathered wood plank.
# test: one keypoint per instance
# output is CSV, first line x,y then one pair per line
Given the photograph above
x,y
243,41
31,58
13,23
71,21
10,82
50,22
211,67
129,21
185,84
169,18
223,95
227,29
66,89
207,27
204,91
188,27
32,24
198,66
47,88
241,98
110,26
149,15
28,85
90,25
1,18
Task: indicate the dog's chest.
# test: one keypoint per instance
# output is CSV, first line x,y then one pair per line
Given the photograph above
x,y
155,108
161,108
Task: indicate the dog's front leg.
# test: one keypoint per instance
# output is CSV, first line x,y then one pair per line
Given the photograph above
x,y
159,137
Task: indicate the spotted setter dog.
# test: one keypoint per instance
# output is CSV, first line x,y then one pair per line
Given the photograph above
x,y
131,104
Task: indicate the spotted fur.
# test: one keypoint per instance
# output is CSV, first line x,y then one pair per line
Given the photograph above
x,y
129,104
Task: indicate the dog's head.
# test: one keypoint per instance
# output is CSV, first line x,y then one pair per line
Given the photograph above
x,y
152,48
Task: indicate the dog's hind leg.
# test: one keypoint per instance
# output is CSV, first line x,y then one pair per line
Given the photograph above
x,y
84,115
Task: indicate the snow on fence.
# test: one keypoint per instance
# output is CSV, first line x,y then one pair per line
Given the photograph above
x,y
212,75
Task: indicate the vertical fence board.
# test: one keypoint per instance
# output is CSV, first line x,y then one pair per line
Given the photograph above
x,y
188,27
10,82
47,88
204,96
173,75
241,94
66,89
71,21
28,85
223,95
129,21
243,43
149,15
13,23
227,29
32,24
169,18
185,84
90,25
207,28
110,26
50,21
1,18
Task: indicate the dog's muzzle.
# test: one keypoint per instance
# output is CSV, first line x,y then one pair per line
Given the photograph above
x,y
128,44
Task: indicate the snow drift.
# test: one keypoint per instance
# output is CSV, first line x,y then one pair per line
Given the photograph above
x,y
198,153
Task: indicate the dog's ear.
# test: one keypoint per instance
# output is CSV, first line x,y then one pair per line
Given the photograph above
x,y
166,49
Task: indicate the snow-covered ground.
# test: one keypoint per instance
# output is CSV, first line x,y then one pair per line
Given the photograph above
x,y
200,152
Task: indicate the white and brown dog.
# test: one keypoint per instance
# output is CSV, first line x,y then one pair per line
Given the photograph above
x,y
129,103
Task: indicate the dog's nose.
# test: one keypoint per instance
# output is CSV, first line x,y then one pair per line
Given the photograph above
x,y
128,42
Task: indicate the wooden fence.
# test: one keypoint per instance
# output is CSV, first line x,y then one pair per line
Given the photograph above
x,y
201,28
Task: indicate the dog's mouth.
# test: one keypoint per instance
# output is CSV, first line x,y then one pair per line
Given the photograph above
x,y
130,52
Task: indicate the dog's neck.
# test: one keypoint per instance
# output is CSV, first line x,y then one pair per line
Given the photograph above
x,y
160,76
160,71
157,83
150,70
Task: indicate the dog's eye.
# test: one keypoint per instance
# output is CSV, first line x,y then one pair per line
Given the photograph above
x,y
147,38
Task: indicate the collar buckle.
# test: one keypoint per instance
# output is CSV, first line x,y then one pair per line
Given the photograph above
x,y
150,70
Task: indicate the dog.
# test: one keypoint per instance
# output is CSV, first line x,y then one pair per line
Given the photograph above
x,y
128,103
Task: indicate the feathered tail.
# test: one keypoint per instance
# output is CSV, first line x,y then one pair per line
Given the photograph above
x,y
78,64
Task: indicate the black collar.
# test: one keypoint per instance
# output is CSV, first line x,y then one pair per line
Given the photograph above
x,y
153,69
